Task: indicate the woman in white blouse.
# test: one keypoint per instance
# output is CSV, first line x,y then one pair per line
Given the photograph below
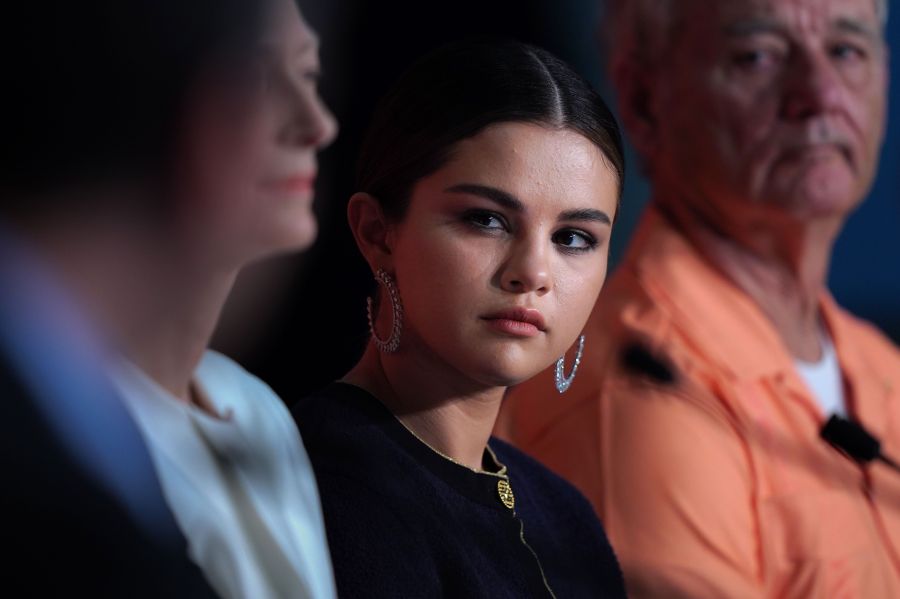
x,y
230,460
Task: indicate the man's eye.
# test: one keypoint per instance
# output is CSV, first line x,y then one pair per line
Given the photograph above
x,y
755,59
845,52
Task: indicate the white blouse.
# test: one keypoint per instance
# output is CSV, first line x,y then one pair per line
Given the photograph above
x,y
241,487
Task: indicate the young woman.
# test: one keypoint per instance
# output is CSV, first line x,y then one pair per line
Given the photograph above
x,y
229,458
489,183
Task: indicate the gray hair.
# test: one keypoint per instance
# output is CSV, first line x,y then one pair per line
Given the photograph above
x,y
642,28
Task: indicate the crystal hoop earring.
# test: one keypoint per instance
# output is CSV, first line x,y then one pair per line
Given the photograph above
x,y
564,382
392,343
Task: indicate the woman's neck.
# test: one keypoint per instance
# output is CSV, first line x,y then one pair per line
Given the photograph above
x,y
139,291
452,415
171,342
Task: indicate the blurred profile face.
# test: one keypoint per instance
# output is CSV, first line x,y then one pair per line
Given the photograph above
x,y
771,107
254,143
503,251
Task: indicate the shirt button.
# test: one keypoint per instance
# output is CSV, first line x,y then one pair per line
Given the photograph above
x,y
506,494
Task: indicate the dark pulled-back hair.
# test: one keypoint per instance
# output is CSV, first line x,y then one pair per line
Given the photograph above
x,y
460,89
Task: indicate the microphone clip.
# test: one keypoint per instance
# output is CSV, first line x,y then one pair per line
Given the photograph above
x,y
854,441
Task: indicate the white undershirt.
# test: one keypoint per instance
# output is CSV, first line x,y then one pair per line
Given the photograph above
x,y
824,379
242,488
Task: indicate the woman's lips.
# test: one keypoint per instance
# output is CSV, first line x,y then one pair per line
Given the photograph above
x,y
293,185
518,322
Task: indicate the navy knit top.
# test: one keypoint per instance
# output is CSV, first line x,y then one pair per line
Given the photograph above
x,y
404,522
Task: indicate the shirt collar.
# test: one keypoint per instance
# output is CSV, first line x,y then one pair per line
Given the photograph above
x,y
705,305
868,372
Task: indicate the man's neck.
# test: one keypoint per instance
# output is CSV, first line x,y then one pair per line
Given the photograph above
x,y
782,266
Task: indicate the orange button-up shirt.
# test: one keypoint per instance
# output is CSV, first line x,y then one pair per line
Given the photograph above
x,y
698,443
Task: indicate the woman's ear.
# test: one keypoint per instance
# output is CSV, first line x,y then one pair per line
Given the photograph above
x,y
371,230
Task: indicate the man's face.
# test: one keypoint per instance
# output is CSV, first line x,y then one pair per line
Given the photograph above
x,y
771,107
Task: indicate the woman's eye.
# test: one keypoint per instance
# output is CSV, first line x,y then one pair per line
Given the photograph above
x,y
574,240
485,220
312,76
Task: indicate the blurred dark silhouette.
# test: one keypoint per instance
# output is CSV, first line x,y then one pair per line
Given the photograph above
x,y
95,99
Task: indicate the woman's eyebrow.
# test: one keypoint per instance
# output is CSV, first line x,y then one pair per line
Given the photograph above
x,y
506,200
498,196
586,214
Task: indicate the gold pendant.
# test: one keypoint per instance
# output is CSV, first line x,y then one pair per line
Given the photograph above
x,y
506,494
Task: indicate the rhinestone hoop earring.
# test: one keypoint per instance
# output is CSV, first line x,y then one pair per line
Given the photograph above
x,y
564,382
392,343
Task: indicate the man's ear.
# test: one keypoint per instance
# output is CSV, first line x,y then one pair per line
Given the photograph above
x,y
637,104
371,230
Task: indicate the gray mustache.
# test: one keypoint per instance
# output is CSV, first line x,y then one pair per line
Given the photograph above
x,y
817,134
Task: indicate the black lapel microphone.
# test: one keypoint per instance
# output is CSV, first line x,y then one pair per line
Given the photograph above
x,y
852,439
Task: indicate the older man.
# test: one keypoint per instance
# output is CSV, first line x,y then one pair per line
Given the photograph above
x,y
716,354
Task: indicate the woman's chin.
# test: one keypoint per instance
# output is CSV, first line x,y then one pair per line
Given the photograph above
x,y
504,378
294,237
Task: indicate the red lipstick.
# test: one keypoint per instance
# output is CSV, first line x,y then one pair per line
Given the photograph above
x,y
517,322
